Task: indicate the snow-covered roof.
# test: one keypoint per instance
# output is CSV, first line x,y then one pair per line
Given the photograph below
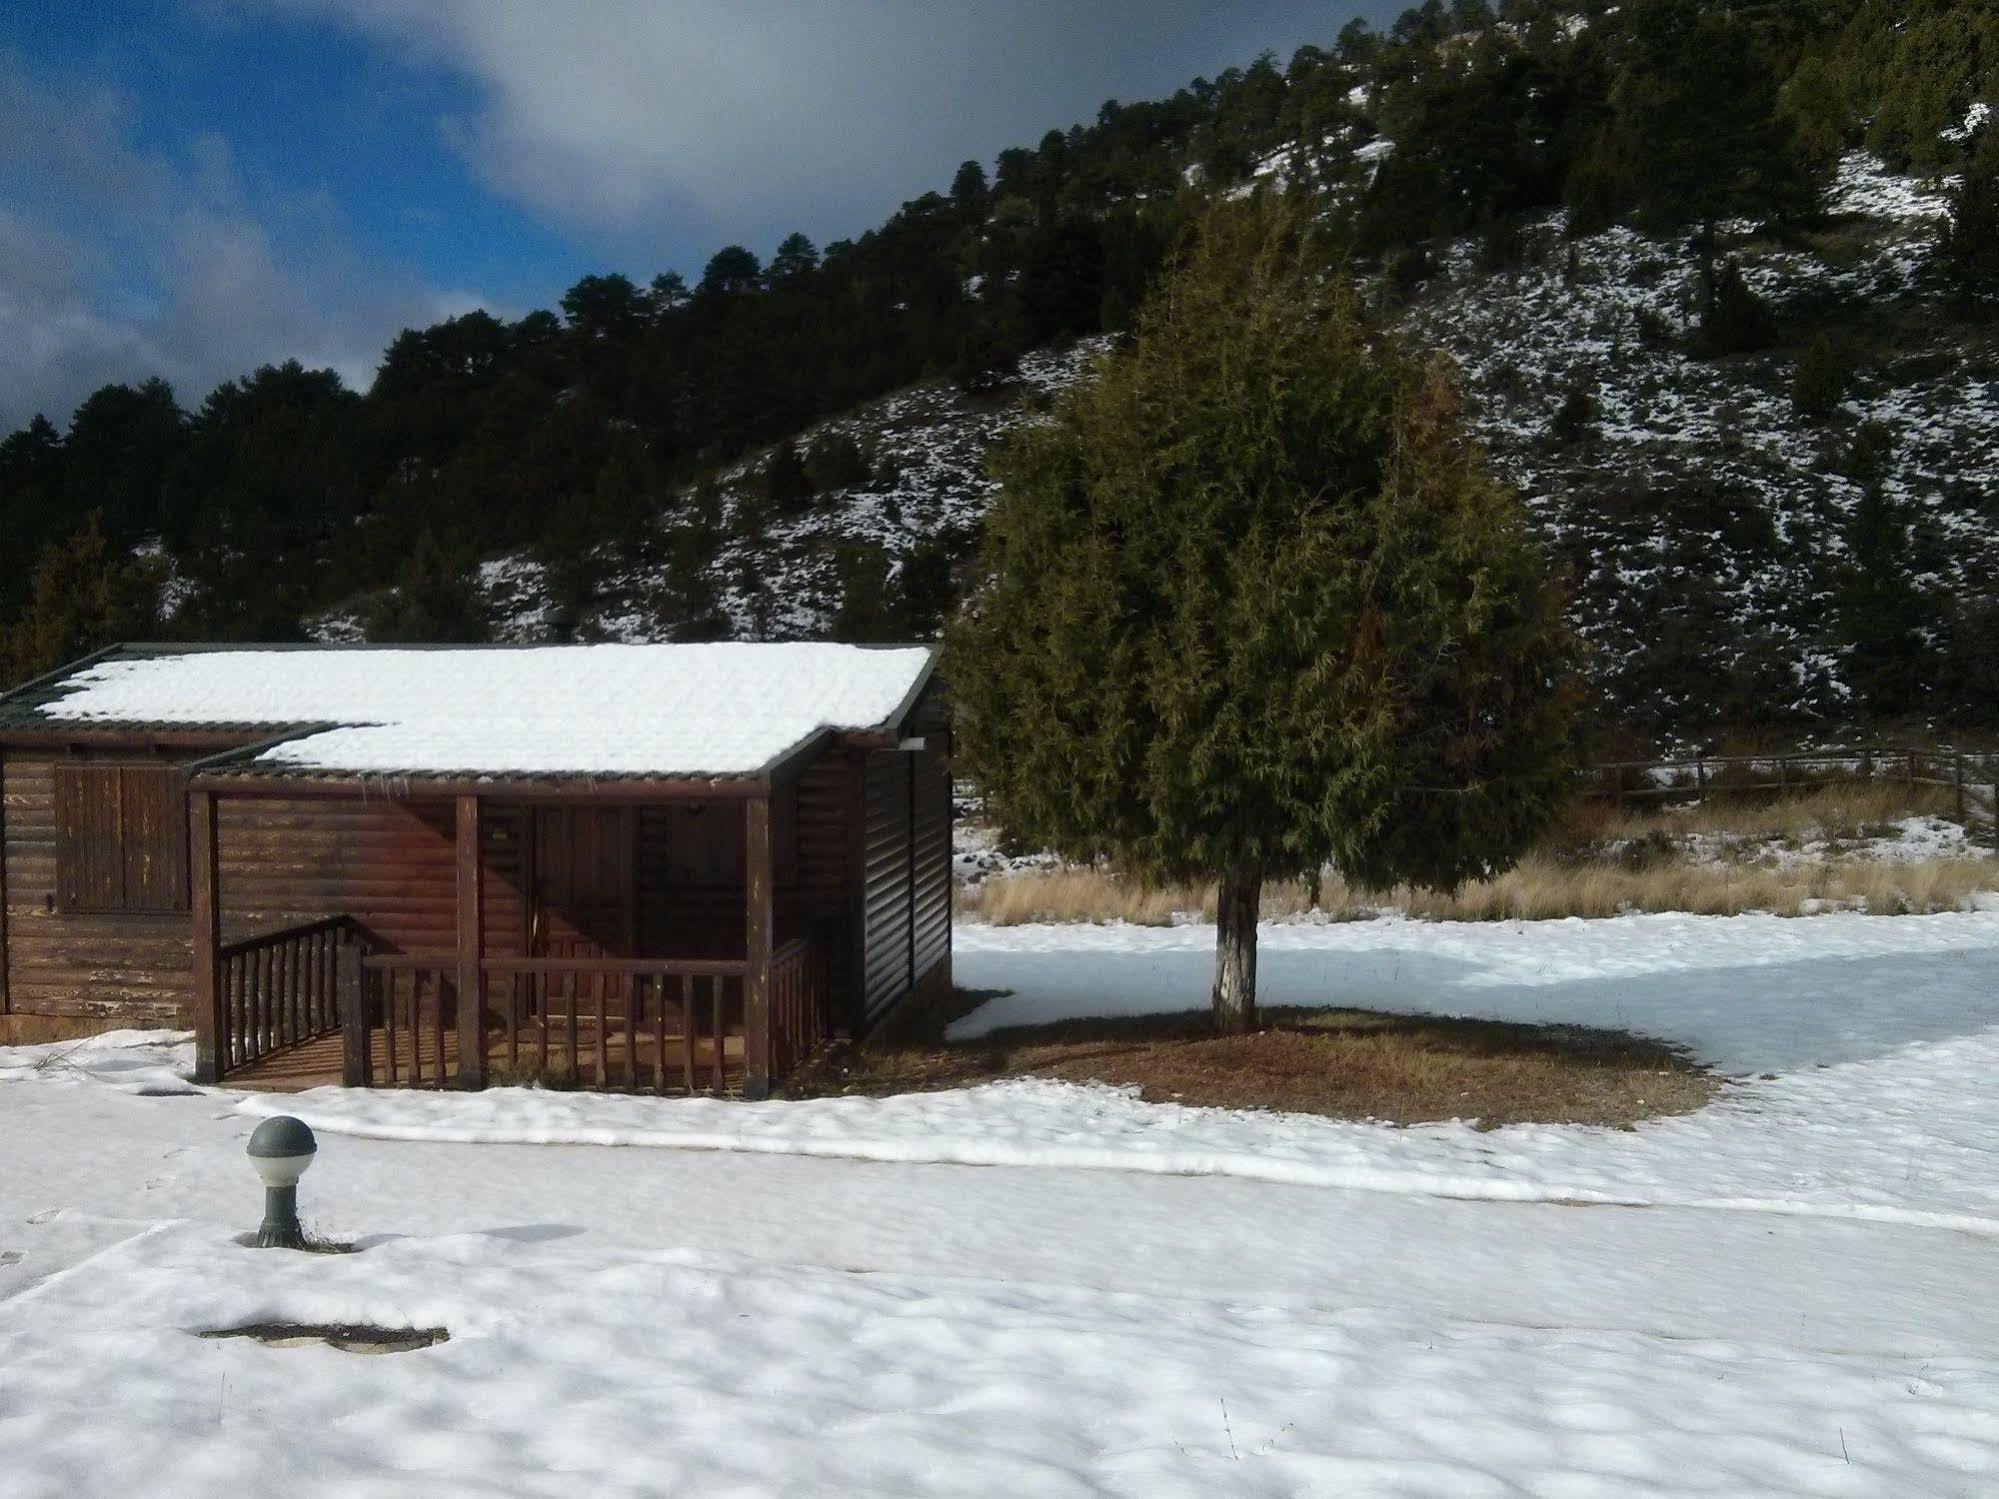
x,y
728,709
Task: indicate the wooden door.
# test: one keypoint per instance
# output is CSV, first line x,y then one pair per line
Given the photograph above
x,y
584,898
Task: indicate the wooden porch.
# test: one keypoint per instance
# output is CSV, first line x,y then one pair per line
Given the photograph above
x,y
602,1060
330,1001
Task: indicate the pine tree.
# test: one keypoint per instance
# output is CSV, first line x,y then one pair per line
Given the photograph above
x,y
1736,320
1881,610
786,483
968,187
864,615
1576,417
1969,248
1820,383
434,600
796,258
1252,603
83,595
729,270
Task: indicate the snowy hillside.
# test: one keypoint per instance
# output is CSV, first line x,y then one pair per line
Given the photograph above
x,y
1703,516
1694,490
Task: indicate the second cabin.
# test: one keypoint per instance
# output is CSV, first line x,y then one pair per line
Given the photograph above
x,y
660,868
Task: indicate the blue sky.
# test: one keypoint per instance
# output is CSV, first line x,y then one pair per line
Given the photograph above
x,y
191,187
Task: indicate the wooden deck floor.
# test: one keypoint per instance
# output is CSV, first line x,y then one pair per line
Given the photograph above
x,y
318,1063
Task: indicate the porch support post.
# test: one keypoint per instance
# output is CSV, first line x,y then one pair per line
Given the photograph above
x,y
204,901
758,925
471,949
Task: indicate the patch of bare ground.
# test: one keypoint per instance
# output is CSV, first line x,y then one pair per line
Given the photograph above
x,y
1344,1064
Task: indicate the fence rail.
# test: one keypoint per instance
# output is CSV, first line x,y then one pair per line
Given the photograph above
x,y
278,989
1971,777
628,1025
799,1022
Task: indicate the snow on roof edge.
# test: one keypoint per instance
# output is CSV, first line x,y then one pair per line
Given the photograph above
x,y
723,710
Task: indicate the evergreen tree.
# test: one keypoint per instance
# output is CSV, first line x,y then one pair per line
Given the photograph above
x,y
1969,247
968,187
433,600
1253,604
123,442
1699,122
669,292
730,269
1576,416
1736,320
1881,610
604,306
988,355
84,595
31,462
786,483
836,460
864,615
1820,383
796,258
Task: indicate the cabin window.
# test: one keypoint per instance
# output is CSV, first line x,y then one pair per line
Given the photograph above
x,y
121,838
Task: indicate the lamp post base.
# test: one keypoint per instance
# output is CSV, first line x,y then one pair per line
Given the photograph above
x,y
280,1228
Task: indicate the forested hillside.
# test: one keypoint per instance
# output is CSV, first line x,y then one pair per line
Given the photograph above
x,y
1718,275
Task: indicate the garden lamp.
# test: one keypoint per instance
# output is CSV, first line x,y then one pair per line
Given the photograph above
x,y
281,1149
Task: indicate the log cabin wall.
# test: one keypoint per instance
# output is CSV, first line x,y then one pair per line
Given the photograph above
x,y
283,861
905,878
114,967
691,869
391,864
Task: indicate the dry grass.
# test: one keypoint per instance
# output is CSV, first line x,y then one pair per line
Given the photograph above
x,y
1599,861
1540,888
1841,811
1350,1064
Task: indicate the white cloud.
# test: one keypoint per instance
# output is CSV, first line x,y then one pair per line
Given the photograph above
x,y
756,116
118,263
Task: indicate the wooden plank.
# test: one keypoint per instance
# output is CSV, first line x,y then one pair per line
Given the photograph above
x,y
717,1037
391,982
634,1002
471,948
758,934
356,1025
438,1025
687,1032
659,1038
603,1034
569,1004
203,887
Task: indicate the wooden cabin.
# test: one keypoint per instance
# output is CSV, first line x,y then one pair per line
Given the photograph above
x,y
658,868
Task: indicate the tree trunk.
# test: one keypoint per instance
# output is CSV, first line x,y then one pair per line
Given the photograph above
x,y
1239,896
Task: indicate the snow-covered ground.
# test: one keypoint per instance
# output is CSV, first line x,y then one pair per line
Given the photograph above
x,y
1788,1292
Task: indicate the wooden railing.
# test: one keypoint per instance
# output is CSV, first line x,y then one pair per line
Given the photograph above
x,y
633,1025
629,1025
1971,780
799,1018
402,1030
279,989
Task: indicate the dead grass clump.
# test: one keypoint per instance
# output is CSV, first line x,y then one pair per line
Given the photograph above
x,y
1839,810
1541,887
1079,895
1349,1064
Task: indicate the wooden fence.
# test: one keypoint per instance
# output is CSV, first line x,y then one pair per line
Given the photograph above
x,y
278,989
1970,778
629,1025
